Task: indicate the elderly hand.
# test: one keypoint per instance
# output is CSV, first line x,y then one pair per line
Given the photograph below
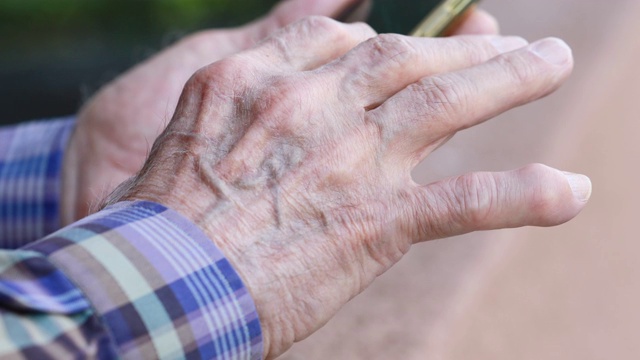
x,y
116,128
295,158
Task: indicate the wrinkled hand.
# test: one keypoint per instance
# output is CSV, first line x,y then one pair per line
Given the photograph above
x,y
295,158
117,127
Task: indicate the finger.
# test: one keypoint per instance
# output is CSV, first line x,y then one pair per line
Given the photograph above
x,y
441,105
386,64
309,43
479,22
290,11
536,195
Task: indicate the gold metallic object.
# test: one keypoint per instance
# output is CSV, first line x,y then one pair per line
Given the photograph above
x,y
443,18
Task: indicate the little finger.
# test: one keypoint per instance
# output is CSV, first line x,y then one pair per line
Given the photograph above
x,y
535,195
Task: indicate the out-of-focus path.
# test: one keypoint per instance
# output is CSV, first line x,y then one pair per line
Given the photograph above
x,y
564,293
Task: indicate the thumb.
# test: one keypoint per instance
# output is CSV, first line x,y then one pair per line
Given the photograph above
x,y
289,11
534,195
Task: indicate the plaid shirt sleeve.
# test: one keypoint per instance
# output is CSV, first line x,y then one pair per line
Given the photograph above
x,y
136,281
30,164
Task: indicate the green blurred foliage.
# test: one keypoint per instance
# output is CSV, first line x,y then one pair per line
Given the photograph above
x,y
124,20
56,53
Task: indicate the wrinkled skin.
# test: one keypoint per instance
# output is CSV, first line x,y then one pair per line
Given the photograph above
x,y
116,128
295,157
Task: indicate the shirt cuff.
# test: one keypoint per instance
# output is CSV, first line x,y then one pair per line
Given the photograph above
x,y
31,158
160,287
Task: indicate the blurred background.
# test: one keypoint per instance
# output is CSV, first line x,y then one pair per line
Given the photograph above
x,y
569,292
57,53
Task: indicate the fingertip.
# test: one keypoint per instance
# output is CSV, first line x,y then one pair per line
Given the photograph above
x,y
580,185
479,22
553,197
487,22
553,50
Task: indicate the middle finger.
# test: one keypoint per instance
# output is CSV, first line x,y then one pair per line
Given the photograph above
x,y
384,65
436,107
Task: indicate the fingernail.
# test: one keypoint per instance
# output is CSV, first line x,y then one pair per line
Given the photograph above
x,y
580,185
552,50
508,43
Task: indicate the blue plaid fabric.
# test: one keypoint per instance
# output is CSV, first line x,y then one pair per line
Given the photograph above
x,y
30,165
136,280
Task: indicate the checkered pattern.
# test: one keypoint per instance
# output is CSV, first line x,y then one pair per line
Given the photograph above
x,y
30,164
43,315
137,280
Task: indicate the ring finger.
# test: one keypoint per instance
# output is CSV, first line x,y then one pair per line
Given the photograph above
x,y
308,44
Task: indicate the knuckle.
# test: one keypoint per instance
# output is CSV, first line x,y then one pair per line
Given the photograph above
x,y
224,72
474,198
390,48
276,104
544,199
519,71
221,81
428,207
535,170
442,98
